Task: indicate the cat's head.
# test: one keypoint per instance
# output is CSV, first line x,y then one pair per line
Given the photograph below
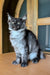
x,y
16,23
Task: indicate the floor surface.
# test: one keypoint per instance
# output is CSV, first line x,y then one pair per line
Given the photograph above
x,y
7,68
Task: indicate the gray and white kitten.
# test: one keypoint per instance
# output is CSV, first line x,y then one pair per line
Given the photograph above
x,y
24,42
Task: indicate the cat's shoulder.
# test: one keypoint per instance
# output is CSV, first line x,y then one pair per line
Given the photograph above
x,y
29,32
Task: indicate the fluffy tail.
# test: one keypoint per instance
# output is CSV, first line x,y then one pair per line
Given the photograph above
x,y
42,55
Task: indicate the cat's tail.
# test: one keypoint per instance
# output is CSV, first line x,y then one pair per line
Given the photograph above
x,y
42,55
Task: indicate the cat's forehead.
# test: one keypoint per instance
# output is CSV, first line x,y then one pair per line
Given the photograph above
x,y
17,19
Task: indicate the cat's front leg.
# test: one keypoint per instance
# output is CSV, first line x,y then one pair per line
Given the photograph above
x,y
17,61
24,60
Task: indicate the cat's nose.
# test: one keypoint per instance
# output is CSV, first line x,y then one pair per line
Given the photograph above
x,y
17,26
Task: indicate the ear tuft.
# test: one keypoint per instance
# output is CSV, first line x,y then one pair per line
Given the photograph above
x,y
24,17
9,17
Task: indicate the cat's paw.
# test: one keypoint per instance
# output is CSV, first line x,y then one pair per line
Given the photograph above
x,y
14,62
35,60
24,64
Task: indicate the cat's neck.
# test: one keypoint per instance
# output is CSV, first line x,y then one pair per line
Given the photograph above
x,y
17,31
17,34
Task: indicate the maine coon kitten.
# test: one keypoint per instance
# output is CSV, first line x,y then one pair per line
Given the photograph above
x,y
23,41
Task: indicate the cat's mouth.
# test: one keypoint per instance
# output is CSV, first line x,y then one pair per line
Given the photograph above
x,y
13,28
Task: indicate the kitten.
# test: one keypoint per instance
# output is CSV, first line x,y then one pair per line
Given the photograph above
x,y
23,41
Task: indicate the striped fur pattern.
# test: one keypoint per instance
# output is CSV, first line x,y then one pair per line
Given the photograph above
x,y
24,42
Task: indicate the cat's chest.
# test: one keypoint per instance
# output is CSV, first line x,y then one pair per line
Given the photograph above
x,y
16,40
18,45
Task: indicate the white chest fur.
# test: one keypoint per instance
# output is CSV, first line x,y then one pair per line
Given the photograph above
x,y
16,39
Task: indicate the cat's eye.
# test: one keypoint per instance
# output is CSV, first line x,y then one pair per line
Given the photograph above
x,y
18,22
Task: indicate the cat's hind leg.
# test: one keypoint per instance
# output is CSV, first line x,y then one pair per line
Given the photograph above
x,y
35,60
33,56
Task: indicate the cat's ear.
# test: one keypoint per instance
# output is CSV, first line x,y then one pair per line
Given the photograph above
x,y
24,17
9,17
